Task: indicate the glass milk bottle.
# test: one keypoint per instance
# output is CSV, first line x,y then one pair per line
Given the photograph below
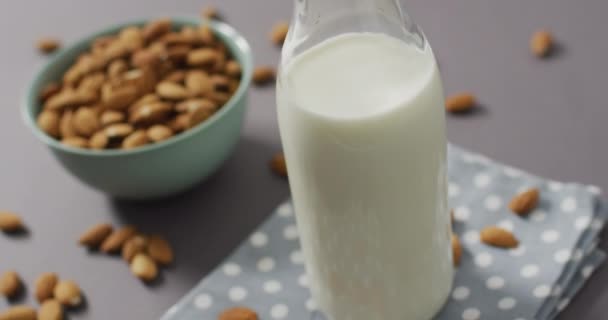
x,y
361,116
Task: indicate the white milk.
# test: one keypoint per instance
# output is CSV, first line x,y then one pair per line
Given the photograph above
x,y
363,129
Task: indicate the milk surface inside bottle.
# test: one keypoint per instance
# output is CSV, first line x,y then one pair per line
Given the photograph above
x,y
360,107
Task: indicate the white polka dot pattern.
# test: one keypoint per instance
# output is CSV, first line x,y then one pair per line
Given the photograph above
x,y
268,270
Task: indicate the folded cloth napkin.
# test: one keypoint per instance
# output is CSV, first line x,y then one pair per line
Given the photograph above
x,y
557,253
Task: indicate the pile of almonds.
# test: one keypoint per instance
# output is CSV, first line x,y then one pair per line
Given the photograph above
x,y
52,293
142,252
140,86
522,204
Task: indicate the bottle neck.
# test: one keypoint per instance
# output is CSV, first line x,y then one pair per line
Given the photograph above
x,y
317,20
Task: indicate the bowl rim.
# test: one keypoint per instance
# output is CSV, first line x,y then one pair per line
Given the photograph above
x,y
30,102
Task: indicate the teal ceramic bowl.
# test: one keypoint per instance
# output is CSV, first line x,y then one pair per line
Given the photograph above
x,y
156,170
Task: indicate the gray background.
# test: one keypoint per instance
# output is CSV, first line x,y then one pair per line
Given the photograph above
x,y
543,116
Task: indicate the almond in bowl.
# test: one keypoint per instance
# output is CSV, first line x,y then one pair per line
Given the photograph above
x,y
145,109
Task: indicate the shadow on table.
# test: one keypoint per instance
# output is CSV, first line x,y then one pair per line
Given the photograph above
x,y
206,223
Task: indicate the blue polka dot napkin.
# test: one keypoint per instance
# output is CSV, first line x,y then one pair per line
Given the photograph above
x,y
557,253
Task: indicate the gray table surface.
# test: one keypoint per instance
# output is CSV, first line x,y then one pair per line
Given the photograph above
x,y
547,117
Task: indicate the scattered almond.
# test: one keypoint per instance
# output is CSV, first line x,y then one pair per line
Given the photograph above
x,y
10,284
460,103
10,222
238,313
117,239
160,250
143,267
278,164
209,12
498,237
133,246
20,312
279,32
525,202
541,43
263,75
45,285
47,45
50,310
67,292
95,235
456,249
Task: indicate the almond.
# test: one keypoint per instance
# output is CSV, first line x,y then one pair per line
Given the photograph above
x,y
209,12
220,82
179,123
118,131
75,142
143,267
151,113
109,117
525,202
67,292
541,43
219,97
171,91
278,164
133,246
92,82
99,141
206,34
47,45
95,235
10,222
147,58
198,83
70,98
66,125
148,98
117,68
197,116
202,57
177,76
238,313
498,237
48,121
136,139
10,284
193,104
179,53
160,250
459,103
50,310
21,312
45,285
456,250
263,75
233,68
85,121
158,133
279,32
156,28
120,98
49,90
117,239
